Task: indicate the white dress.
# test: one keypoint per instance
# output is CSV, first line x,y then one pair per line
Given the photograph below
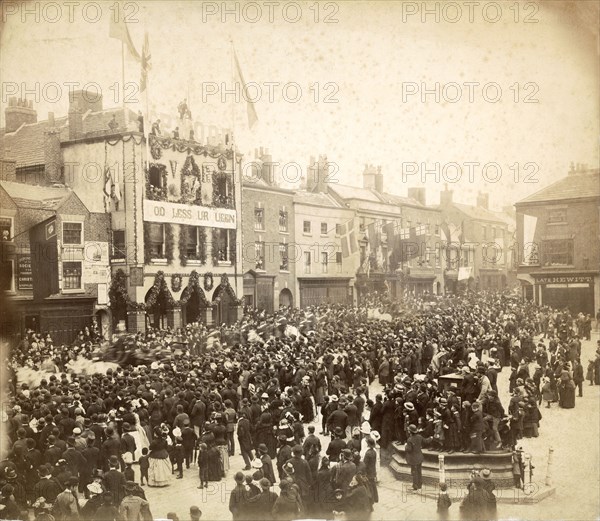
x,y
140,437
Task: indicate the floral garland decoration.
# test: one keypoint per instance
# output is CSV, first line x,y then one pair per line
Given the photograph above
x,y
181,145
183,243
118,290
147,249
169,242
208,281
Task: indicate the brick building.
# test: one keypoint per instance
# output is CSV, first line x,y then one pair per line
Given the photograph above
x,y
480,245
55,264
375,210
268,239
558,233
172,206
323,274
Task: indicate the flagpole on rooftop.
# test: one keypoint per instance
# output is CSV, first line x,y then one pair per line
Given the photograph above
x,y
233,146
125,115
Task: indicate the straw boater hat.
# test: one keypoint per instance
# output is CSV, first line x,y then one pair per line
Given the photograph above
x,y
375,435
257,463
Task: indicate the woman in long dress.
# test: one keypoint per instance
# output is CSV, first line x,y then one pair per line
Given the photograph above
x,y
220,432
159,472
140,437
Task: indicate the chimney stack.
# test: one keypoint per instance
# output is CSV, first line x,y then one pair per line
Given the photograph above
x,y
85,100
268,168
318,170
19,112
483,200
379,180
418,194
75,122
446,196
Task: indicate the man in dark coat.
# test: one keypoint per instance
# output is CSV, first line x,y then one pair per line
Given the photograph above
x,y
338,418
302,473
110,447
53,453
344,471
262,504
114,481
376,416
283,455
47,487
310,442
267,467
198,415
76,463
127,441
238,501
245,439
414,455
336,445
188,440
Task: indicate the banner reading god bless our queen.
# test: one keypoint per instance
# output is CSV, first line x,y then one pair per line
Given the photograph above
x,y
163,212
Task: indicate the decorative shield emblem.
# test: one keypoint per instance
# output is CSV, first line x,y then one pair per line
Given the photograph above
x,y
176,282
221,163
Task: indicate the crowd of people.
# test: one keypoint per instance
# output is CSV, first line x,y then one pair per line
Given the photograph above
x,y
265,390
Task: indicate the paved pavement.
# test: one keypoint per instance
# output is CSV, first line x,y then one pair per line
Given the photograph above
x,y
573,433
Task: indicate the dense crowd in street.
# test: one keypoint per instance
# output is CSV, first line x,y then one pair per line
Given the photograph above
x,y
269,388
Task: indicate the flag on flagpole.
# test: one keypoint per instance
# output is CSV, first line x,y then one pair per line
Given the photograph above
x,y
146,63
118,29
250,109
373,234
108,184
348,239
116,190
390,231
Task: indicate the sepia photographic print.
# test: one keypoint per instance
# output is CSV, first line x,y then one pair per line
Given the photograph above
x,y
299,260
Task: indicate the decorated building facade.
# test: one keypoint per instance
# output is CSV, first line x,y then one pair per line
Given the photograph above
x,y
558,238
171,210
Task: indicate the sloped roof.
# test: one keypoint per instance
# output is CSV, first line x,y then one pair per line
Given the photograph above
x,y
260,184
98,121
353,192
36,196
315,198
578,185
26,144
478,213
404,201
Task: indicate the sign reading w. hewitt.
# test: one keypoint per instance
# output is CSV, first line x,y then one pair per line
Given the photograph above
x,y
163,212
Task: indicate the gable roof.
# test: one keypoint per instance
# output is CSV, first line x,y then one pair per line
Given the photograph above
x,y
578,185
36,196
404,201
315,198
26,144
353,192
478,213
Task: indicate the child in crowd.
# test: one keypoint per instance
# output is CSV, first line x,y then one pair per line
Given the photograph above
x,y
144,465
203,465
128,472
443,502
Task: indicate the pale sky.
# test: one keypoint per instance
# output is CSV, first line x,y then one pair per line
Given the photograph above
x,y
364,60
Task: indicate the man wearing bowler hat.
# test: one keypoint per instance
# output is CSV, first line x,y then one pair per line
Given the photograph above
x,y
414,455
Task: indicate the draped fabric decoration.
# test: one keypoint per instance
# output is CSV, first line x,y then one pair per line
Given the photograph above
x,y
224,288
194,285
180,145
159,287
118,295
